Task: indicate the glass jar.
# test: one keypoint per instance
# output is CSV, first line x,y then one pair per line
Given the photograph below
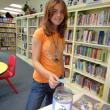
x,y
62,99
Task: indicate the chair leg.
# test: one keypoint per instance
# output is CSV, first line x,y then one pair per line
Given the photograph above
x,y
12,85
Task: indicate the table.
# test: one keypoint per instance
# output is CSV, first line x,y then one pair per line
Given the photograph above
x,y
3,67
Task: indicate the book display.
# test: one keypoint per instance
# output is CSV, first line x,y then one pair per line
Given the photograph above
x,y
21,32
86,102
32,25
7,34
91,51
87,47
25,27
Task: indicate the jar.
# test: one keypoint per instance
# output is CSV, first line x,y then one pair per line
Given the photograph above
x,y
62,99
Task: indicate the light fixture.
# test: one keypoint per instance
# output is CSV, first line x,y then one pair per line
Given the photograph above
x,y
13,9
12,12
16,5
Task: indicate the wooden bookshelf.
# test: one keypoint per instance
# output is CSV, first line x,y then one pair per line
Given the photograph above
x,y
80,50
7,34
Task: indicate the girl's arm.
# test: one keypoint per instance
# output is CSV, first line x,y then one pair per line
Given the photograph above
x,y
36,52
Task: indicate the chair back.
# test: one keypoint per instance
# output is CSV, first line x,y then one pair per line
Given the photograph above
x,y
10,72
12,65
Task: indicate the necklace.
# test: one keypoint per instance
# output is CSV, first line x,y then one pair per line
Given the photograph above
x,y
56,52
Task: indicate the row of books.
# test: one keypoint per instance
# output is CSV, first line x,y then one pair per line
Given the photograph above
x,y
8,44
33,22
92,36
6,25
24,23
8,48
8,39
68,48
7,30
95,18
24,42
24,30
95,53
66,72
6,20
71,19
91,68
31,31
24,45
66,60
69,35
7,34
89,84
18,22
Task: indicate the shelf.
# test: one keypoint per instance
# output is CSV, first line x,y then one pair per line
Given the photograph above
x,y
7,27
70,26
65,53
67,66
90,76
94,45
94,26
90,60
68,41
77,89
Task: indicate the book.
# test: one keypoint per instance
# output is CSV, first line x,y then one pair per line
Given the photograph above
x,y
101,37
86,102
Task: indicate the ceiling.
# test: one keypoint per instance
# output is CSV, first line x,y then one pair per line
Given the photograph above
x,y
6,3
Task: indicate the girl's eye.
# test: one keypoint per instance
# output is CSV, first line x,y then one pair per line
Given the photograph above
x,y
57,11
54,11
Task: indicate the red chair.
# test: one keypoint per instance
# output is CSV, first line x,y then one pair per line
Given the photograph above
x,y
11,71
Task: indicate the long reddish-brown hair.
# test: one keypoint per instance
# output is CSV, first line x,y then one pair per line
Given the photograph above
x,y
47,24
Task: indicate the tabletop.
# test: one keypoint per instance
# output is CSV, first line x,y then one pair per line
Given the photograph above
x,y
3,67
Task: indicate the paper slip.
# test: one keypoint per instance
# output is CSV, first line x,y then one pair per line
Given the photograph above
x,y
62,80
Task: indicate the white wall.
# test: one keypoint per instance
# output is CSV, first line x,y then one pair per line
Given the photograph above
x,y
36,4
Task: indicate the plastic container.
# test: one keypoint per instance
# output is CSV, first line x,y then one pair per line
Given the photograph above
x,y
62,99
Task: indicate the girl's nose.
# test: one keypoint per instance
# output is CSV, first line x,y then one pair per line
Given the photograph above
x,y
58,13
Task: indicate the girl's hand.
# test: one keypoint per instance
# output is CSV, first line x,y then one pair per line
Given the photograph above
x,y
53,81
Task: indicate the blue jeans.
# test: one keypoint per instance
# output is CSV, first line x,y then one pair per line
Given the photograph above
x,y
38,93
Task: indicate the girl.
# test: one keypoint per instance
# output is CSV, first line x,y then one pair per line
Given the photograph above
x,y
47,54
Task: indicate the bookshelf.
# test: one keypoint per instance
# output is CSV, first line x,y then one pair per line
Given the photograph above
x,y
7,34
87,47
25,27
91,51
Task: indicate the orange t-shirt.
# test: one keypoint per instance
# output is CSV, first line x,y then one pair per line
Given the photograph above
x,y
47,54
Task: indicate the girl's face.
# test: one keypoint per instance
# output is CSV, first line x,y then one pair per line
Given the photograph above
x,y
58,15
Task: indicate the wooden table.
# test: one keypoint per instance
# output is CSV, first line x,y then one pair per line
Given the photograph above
x,y
3,67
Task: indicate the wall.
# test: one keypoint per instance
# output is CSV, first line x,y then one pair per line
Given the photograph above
x,y
36,4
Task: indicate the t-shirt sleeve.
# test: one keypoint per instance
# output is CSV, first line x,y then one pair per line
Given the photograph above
x,y
38,34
